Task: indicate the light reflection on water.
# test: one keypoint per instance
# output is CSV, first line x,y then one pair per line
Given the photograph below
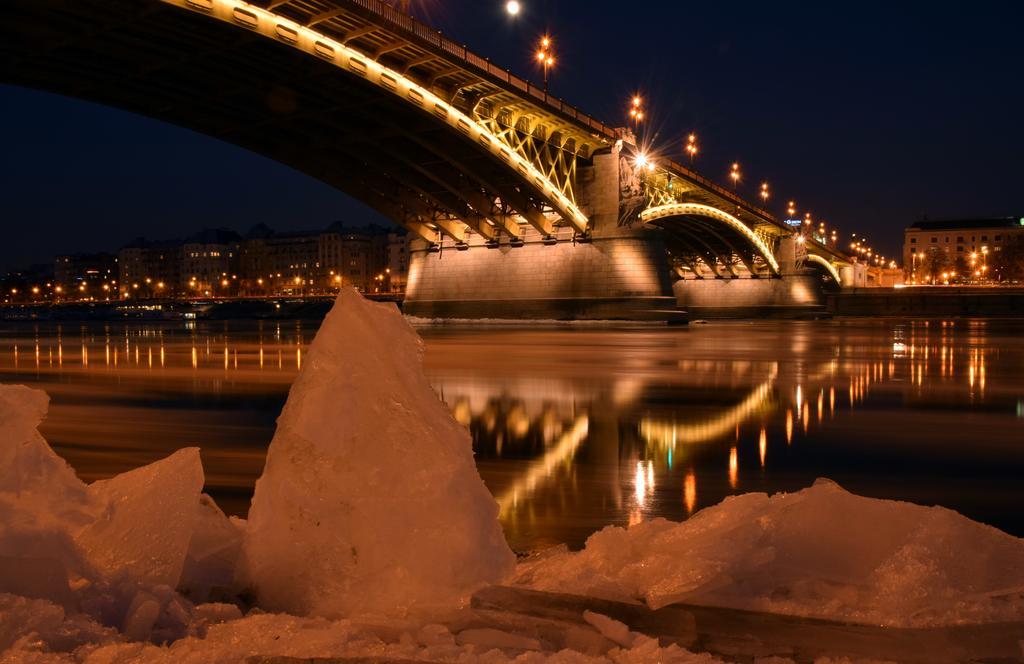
x,y
578,428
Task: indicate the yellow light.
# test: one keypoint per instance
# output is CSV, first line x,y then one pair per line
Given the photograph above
x,y
636,101
551,61
540,56
224,282
641,160
545,41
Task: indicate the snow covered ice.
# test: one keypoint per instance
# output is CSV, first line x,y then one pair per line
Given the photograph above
x,y
370,500
820,552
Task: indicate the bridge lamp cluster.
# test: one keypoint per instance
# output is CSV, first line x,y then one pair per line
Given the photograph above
x,y
636,111
734,174
546,58
691,147
764,192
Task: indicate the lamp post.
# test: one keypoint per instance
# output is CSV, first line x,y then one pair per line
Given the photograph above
x,y
764,193
636,113
734,174
691,147
546,58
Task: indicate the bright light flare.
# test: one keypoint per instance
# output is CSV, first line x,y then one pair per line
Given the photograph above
x,y
512,7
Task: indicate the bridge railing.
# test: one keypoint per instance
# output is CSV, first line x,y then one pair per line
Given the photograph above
x,y
692,175
435,38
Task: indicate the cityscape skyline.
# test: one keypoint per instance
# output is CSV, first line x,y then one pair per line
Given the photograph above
x,y
862,137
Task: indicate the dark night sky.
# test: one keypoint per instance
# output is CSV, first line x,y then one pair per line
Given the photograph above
x,y
868,115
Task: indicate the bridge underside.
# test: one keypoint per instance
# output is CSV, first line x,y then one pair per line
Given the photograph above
x,y
704,248
217,79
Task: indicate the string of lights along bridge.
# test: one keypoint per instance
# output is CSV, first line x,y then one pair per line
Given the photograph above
x,y
545,60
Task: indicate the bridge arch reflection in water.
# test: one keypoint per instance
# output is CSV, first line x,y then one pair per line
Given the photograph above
x,y
668,422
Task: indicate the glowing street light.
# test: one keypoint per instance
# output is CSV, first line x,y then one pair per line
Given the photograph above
x,y
734,174
513,8
791,209
636,112
546,58
691,147
764,192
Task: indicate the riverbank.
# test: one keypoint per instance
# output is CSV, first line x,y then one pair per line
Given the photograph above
x,y
240,309
967,301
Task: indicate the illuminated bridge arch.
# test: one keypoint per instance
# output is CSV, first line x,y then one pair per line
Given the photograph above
x,y
711,236
303,97
826,265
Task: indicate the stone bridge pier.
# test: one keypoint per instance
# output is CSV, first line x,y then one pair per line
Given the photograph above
x,y
615,272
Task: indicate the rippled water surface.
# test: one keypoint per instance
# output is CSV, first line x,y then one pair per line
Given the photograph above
x,y
579,427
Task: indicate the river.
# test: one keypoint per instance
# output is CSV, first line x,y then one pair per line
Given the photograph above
x,y
577,427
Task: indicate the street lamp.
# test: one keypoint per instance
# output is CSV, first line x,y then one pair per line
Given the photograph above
x,y
691,147
764,193
791,209
546,58
513,8
734,174
636,112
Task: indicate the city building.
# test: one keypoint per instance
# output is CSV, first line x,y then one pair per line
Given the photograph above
x,y
150,269
209,265
86,277
221,263
964,250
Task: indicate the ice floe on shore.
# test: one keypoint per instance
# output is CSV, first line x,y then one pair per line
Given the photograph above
x,y
821,552
371,528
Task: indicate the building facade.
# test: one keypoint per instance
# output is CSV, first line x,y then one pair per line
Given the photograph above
x,y
963,250
209,265
86,276
150,269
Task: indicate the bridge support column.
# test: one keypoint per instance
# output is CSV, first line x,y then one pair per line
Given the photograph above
x,y
792,296
624,277
612,273
854,275
785,254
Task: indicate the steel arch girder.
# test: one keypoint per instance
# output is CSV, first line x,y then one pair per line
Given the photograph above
x,y
319,45
829,267
700,210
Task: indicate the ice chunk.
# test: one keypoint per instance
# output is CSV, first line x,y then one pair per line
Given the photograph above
x,y
488,638
819,552
370,500
610,628
212,553
29,469
47,625
146,519
41,504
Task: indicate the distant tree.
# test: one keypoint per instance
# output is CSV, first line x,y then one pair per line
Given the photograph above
x,y
962,269
933,262
1008,263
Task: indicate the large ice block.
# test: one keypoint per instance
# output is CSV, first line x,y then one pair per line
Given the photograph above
x,y
145,521
370,501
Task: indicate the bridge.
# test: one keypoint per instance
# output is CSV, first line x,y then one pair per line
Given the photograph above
x,y
522,205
